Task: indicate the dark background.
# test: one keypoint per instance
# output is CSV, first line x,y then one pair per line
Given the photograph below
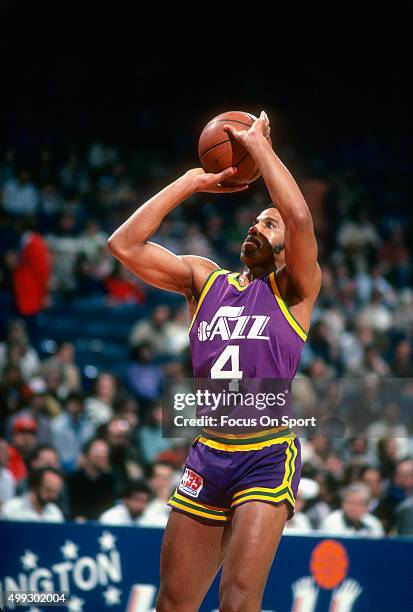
x,y
152,79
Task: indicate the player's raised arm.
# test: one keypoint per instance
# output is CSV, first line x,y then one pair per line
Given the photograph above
x,y
300,242
153,263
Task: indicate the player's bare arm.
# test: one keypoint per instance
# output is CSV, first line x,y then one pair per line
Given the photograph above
x,y
157,266
300,279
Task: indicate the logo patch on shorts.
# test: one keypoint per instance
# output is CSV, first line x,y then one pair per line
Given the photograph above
x,y
191,483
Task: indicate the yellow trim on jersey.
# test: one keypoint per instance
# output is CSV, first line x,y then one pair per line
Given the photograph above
x,y
233,280
284,309
205,290
232,448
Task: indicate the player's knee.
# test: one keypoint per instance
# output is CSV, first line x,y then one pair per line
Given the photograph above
x,y
237,597
170,600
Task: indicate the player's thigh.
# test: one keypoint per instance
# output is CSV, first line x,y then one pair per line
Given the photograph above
x,y
191,555
256,532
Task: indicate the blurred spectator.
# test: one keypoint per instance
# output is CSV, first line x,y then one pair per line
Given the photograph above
x,y
72,177
99,406
400,489
162,482
70,431
123,455
389,425
32,271
372,478
353,518
387,451
404,517
376,314
64,360
127,408
317,497
150,434
152,331
122,287
131,510
65,245
87,280
20,196
23,441
39,503
92,488
358,235
44,455
7,481
16,335
300,523
195,242
395,257
92,240
144,375
176,332
402,366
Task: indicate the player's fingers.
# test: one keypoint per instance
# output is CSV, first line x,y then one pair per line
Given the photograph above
x,y
221,176
230,130
264,118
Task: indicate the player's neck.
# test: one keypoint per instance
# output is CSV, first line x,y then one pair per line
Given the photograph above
x,y
254,272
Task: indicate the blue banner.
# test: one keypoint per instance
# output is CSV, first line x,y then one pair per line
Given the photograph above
x,y
117,569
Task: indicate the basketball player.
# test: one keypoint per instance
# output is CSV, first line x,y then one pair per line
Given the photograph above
x,y
237,492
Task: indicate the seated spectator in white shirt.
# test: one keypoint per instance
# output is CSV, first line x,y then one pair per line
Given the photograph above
x,y
300,523
38,504
163,481
7,481
353,519
129,511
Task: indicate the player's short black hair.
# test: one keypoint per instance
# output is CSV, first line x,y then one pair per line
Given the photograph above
x,y
136,486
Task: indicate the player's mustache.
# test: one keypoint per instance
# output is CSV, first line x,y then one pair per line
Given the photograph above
x,y
258,239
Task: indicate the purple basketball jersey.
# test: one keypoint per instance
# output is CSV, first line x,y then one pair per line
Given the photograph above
x,y
244,332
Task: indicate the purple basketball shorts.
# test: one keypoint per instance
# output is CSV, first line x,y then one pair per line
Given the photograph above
x,y
221,473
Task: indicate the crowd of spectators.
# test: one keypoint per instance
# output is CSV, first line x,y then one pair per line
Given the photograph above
x,y
71,450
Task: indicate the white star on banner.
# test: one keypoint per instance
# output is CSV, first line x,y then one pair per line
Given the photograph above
x,y
112,596
69,550
75,604
29,560
107,541
34,609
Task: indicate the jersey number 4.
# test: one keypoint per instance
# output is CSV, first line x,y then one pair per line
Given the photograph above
x,y
231,354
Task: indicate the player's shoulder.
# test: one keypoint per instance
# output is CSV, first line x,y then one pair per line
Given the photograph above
x,y
201,269
196,261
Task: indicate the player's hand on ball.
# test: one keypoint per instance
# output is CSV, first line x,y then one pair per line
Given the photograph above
x,y
258,132
211,183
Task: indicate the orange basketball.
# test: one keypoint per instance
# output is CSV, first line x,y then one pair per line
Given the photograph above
x,y
329,564
218,151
